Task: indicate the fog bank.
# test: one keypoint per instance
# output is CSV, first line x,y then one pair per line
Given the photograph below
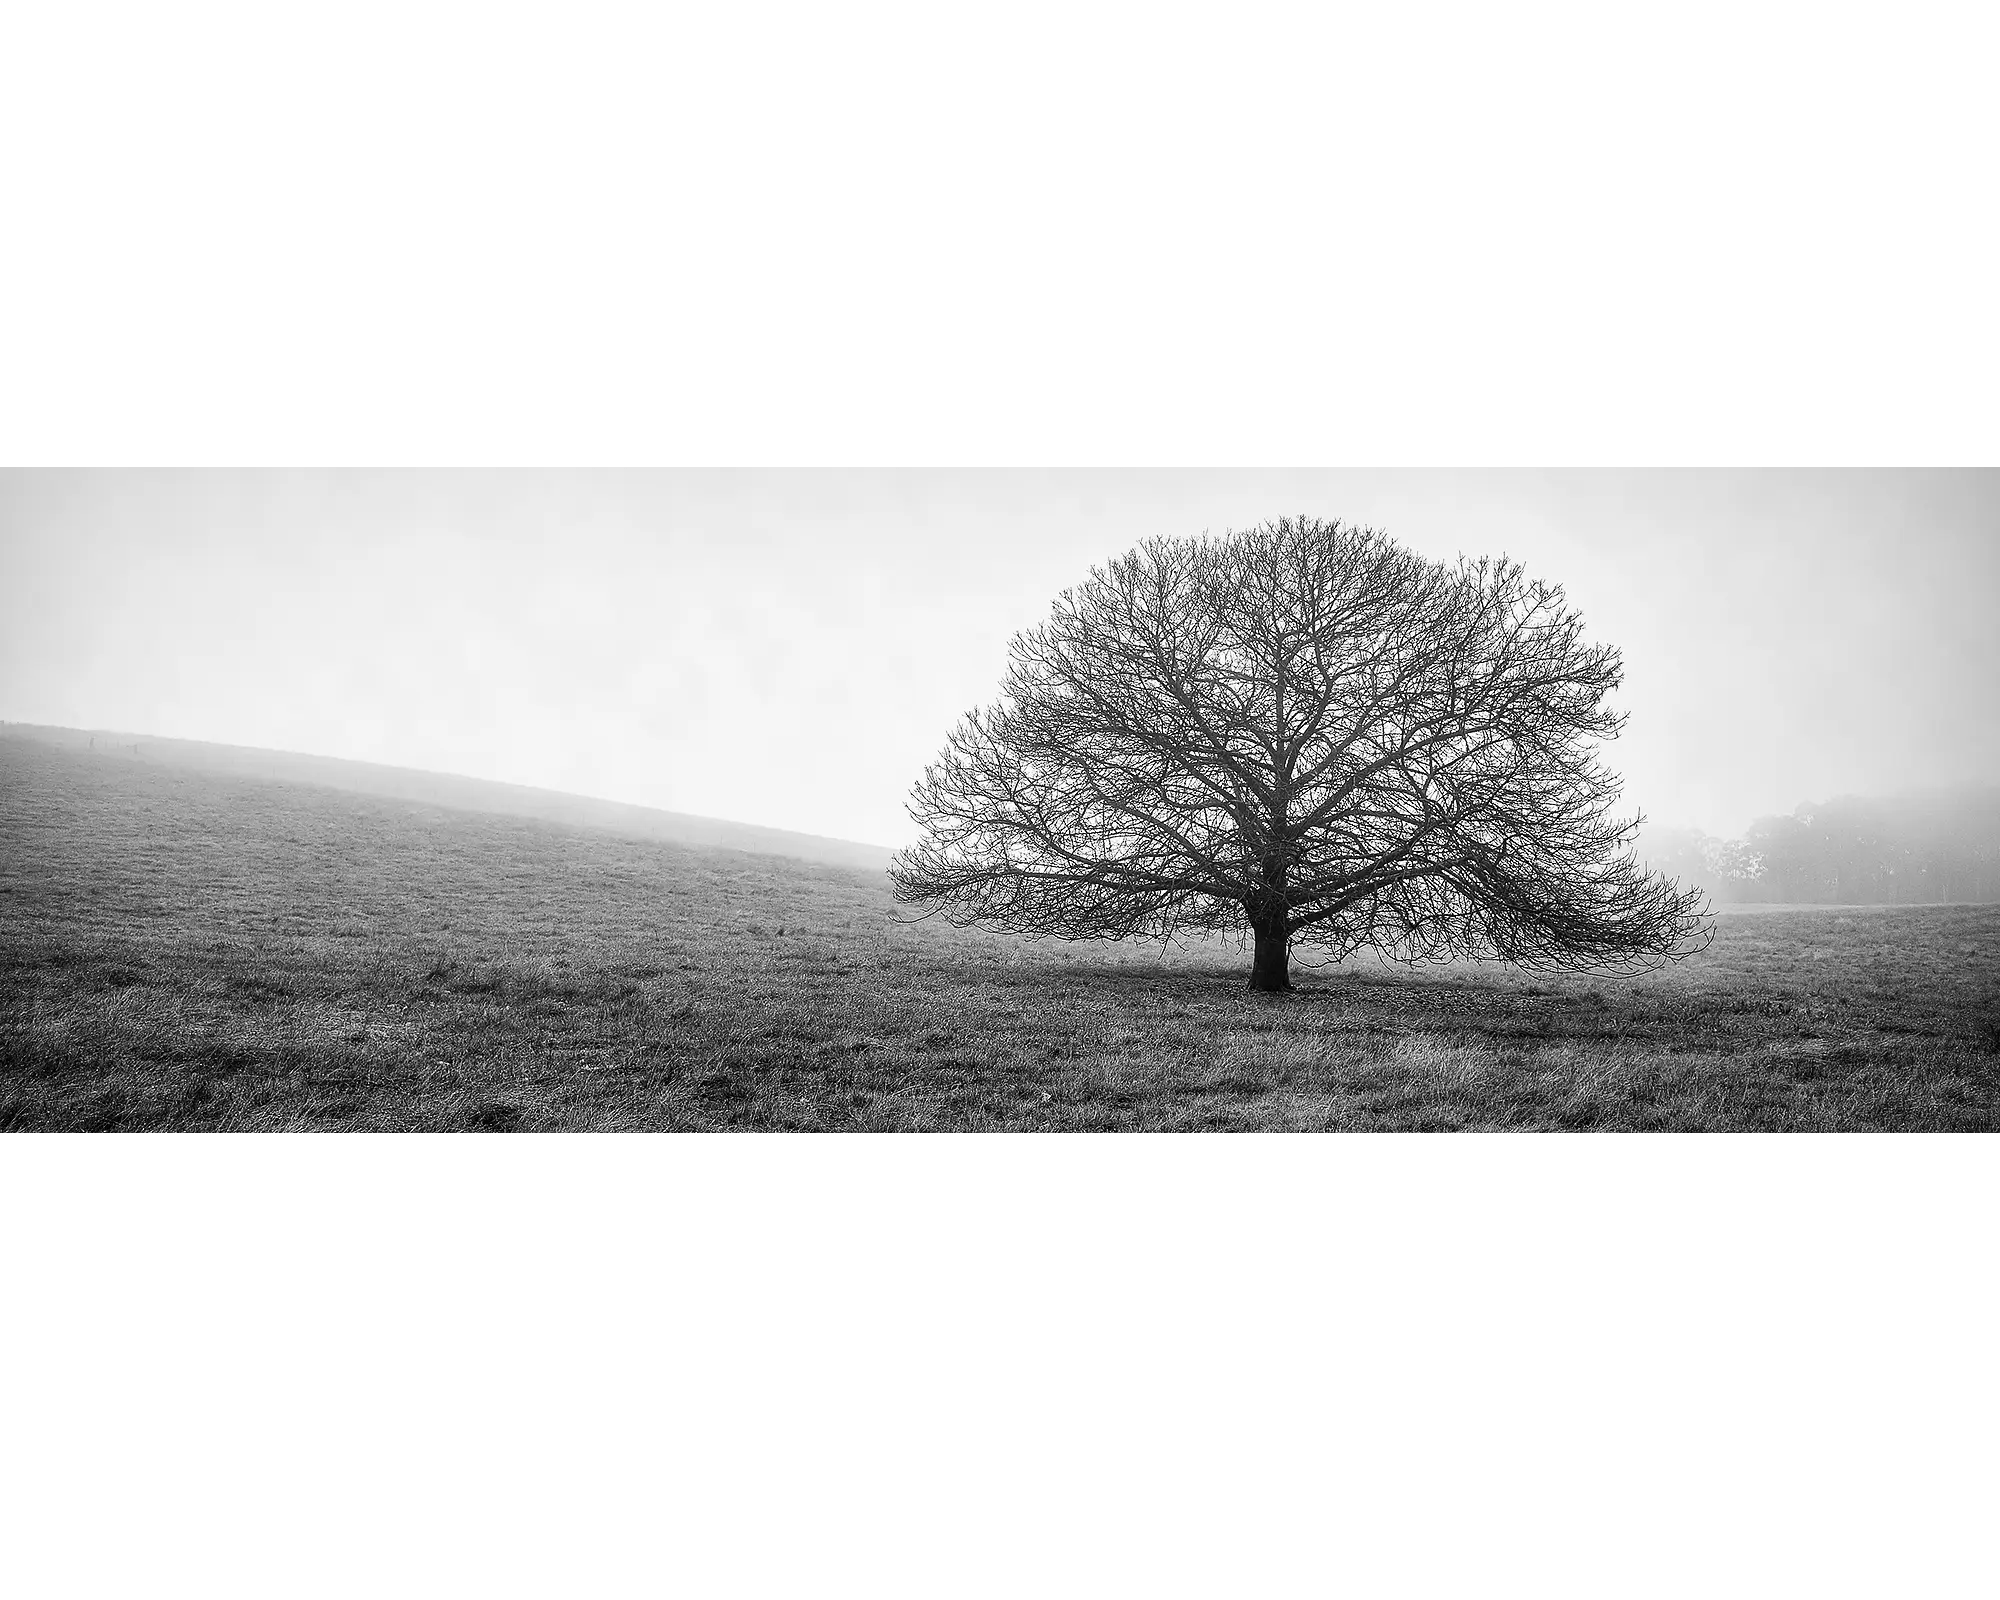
x,y
789,649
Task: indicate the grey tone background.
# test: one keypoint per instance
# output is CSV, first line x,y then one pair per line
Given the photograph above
x,y
789,648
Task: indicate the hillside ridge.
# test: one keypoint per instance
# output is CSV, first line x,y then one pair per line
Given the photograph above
x,y
456,791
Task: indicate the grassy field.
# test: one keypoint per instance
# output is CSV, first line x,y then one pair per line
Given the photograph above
x,y
194,949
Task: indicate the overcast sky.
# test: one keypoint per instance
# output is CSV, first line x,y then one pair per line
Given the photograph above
x,y
791,648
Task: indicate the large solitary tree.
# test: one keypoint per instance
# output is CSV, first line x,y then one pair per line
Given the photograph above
x,y
1310,732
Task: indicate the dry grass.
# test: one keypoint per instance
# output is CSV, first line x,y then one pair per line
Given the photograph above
x,y
186,949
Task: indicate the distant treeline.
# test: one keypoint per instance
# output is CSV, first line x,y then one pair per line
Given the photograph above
x,y
1920,850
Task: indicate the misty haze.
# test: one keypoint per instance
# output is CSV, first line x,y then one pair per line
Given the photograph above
x,y
1000,800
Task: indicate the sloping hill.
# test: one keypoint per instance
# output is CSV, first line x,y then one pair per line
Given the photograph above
x,y
459,793
183,947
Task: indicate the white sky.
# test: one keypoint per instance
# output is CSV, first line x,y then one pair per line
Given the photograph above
x,y
791,648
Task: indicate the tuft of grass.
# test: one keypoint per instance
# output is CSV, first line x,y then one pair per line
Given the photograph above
x,y
193,950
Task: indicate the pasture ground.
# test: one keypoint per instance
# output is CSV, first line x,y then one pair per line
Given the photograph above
x,y
184,949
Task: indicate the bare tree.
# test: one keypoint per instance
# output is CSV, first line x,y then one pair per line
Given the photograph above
x,y
1308,731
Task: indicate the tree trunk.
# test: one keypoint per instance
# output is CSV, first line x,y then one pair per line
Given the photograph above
x,y
1271,968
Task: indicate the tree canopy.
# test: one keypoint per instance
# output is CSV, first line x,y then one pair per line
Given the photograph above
x,y
1306,731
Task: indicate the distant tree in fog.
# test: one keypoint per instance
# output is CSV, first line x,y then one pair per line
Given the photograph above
x,y
1309,733
1922,849
1726,869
